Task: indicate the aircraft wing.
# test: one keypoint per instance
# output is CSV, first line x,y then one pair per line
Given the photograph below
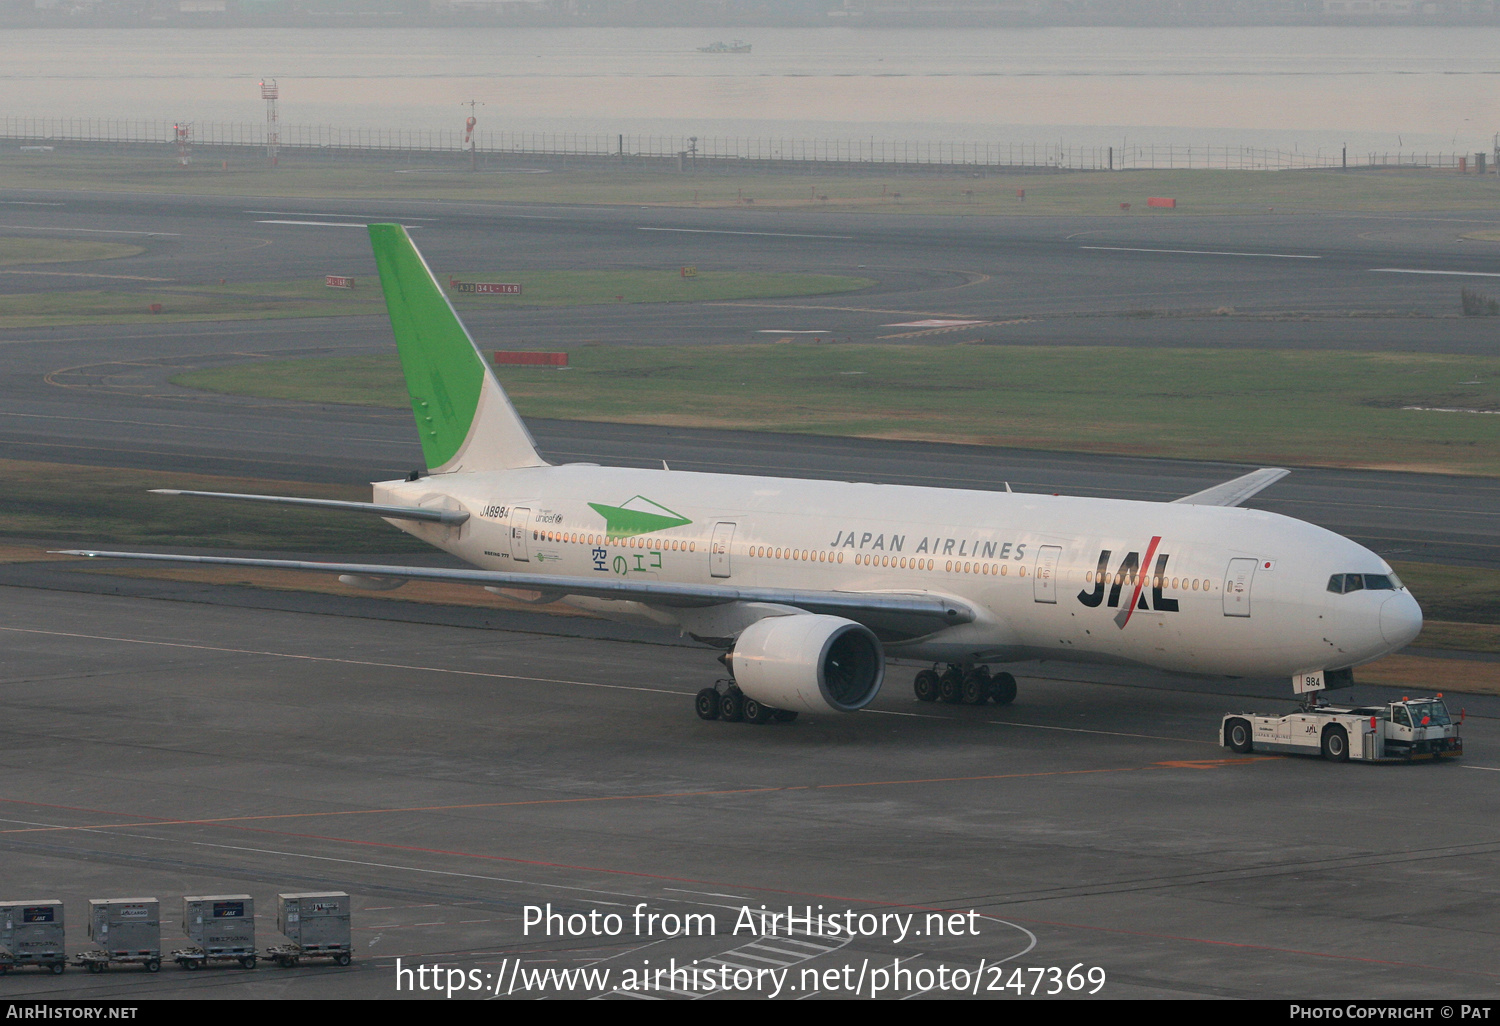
x,y
437,516
1232,493
906,613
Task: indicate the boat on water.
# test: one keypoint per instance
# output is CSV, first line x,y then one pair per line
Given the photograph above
x,y
719,46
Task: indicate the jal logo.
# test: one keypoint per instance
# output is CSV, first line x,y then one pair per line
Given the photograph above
x,y
1128,581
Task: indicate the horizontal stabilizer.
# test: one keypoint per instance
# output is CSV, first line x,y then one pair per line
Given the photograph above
x,y
452,517
937,610
1232,493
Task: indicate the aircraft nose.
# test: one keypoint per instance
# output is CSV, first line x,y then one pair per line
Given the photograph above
x,y
1400,619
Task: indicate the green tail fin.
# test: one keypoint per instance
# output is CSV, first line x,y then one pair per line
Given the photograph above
x,y
464,418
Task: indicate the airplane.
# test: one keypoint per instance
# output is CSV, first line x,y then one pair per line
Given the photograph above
x,y
808,586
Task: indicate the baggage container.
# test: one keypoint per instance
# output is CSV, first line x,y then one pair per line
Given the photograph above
x,y
126,930
32,933
316,923
220,926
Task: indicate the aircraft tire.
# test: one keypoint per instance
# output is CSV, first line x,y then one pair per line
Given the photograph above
x,y
755,712
975,689
950,687
1003,688
732,706
925,687
1239,736
707,704
1336,744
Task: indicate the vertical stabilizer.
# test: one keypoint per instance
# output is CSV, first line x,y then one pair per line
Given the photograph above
x,y
464,418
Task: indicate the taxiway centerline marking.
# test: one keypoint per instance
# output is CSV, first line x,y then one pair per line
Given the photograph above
x,y
1205,252
91,231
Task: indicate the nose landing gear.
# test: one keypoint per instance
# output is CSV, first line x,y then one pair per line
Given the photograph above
x,y
973,685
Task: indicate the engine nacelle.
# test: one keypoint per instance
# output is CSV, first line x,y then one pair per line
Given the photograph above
x,y
808,662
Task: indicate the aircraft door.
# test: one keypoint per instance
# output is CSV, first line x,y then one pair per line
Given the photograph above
x,y
1237,587
1044,582
718,557
520,534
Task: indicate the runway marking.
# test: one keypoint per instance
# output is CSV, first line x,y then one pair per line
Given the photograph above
x,y
332,224
92,231
28,203
1205,252
315,213
725,231
1492,769
1414,270
791,331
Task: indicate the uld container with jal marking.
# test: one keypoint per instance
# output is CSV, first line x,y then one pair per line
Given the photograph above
x,y
31,933
317,923
125,930
220,926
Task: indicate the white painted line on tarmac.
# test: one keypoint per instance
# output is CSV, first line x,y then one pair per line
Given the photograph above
x,y
725,231
1206,252
27,203
791,331
91,231
323,224
1413,270
316,213
1492,769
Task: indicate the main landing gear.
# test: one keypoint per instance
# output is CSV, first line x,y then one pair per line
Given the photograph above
x,y
725,701
959,685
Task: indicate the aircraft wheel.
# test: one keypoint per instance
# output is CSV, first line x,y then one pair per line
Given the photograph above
x,y
785,715
950,687
707,703
1239,736
925,687
755,712
1002,689
975,689
732,706
1336,744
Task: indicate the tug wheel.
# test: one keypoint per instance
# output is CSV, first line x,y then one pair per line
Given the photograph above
x,y
1240,739
1336,745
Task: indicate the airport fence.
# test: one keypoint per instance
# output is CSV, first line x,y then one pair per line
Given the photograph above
x,y
696,153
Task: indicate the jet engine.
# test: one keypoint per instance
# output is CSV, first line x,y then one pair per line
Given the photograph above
x,y
809,662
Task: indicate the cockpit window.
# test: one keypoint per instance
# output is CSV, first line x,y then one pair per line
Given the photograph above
x,y
1342,584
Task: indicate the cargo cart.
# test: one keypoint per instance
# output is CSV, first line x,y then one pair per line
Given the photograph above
x,y
31,934
317,924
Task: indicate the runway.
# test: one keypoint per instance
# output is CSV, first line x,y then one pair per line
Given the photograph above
x,y
451,769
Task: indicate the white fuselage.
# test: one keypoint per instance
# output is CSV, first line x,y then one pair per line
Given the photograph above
x,y
1226,591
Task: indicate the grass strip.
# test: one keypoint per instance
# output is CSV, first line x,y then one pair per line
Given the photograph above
x,y
1315,408
957,192
313,298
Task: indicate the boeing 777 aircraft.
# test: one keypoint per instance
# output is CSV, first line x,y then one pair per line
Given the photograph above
x,y
808,586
